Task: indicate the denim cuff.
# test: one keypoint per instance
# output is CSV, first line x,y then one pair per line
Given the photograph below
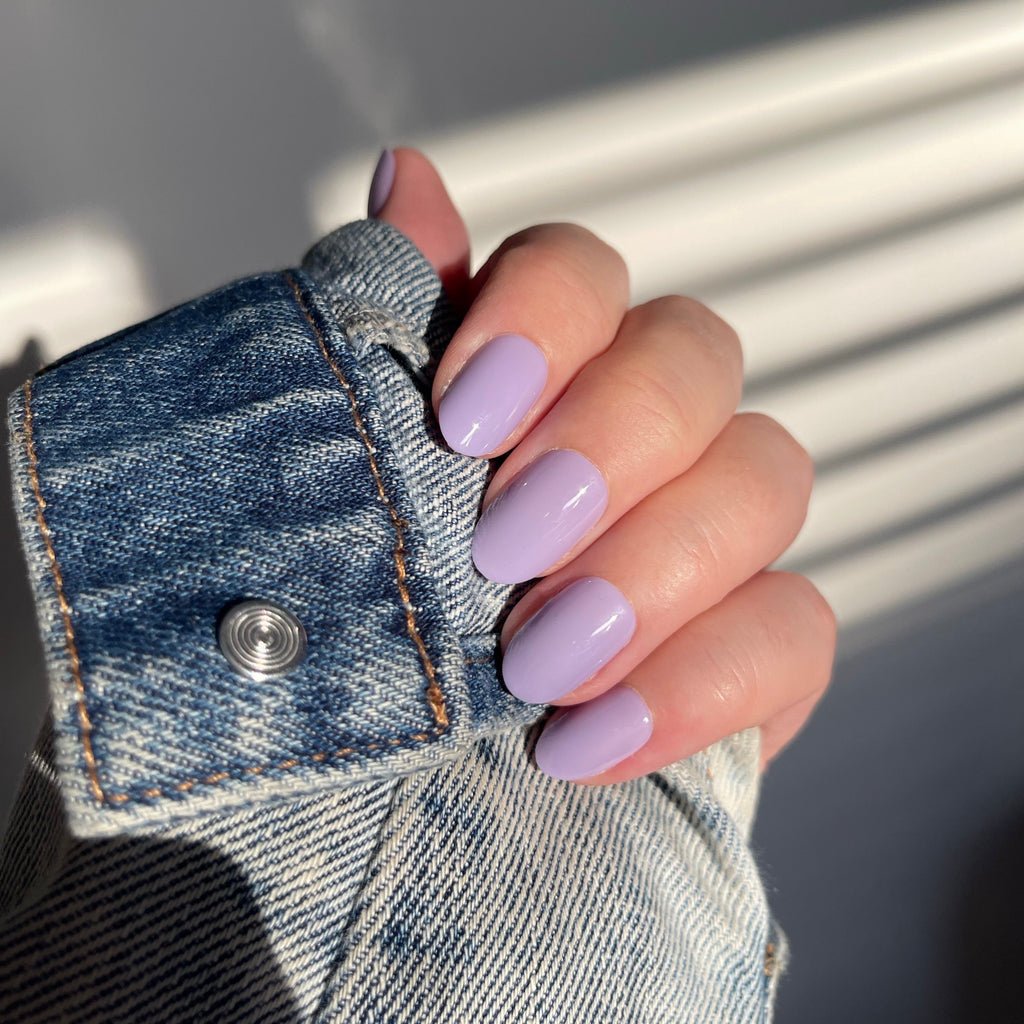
x,y
272,441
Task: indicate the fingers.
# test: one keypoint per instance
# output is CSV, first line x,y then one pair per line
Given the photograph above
x,y
647,507
673,556
633,418
549,300
766,647
407,192
630,487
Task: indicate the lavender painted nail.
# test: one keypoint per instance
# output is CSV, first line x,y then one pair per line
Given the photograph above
x,y
494,391
580,629
380,186
591,737
539,516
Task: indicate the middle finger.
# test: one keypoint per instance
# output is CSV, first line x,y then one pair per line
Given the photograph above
x,y
634,417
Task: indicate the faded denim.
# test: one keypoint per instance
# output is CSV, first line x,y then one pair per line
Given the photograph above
x,y
363,839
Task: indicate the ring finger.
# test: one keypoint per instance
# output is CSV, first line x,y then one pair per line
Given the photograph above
x,y
673,556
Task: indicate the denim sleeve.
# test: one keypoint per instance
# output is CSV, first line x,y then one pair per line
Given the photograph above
x,y
363,838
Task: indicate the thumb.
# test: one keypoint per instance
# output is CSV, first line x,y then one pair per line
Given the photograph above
x,y
407,193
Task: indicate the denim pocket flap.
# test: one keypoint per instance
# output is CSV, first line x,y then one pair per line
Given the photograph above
x,y
240,449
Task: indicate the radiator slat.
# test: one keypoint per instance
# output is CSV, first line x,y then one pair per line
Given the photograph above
x,y
897,488
876,291
869,585
890,393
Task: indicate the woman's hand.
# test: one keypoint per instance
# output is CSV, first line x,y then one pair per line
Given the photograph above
x,y
646,506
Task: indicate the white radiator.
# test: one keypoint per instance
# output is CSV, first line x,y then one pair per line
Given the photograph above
x,y
854,204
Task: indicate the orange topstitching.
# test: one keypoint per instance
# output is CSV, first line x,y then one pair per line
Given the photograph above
x,y
434,694
84,725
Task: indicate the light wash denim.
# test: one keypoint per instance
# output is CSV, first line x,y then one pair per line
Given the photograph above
x,y
363,839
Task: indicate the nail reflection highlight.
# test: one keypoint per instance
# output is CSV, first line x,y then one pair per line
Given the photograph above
x,y
540,515
573,635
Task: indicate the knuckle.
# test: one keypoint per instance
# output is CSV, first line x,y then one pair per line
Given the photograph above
x,y
828,626
658,404
820,611
583,241
787,463
815,622
734,672
786,644
687,543
673,307
573,257
705,332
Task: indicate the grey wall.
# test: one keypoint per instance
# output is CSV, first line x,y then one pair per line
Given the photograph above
x,y
891,833
199,125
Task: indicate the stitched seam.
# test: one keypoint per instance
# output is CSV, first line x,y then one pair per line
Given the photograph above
x,y
84,724
218,777
259,769
368,320
434,695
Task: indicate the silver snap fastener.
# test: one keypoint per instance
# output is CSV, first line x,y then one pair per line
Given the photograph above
x,y
261,639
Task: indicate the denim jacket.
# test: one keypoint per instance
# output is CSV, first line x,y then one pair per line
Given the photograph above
x,y
363,837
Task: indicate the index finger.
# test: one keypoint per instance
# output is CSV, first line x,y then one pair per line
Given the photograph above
x,y
548,300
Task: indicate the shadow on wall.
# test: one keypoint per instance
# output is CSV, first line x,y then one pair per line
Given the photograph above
x,y
984,941
23,694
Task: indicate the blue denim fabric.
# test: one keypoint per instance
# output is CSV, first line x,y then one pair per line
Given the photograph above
x,y
364,838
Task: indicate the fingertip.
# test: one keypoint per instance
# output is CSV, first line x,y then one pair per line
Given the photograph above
x,y
584,742
381,183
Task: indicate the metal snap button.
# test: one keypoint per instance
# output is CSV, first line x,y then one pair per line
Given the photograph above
x,y
261,639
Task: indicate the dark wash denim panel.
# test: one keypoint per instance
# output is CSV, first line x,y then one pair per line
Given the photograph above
x,y
233,448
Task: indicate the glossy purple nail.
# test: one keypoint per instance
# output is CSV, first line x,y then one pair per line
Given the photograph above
x,y
580,629
380,186
494,391
539,516
589,738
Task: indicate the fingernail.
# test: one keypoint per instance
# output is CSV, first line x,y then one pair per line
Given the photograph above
x,y
580,629
539,516
590,738
492,394
380,186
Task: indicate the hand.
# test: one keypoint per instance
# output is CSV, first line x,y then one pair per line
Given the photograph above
x,y
646,506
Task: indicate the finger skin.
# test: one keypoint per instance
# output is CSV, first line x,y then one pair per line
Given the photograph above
x,y
768,646
782,728
419,206
643,411
559,286
685,547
